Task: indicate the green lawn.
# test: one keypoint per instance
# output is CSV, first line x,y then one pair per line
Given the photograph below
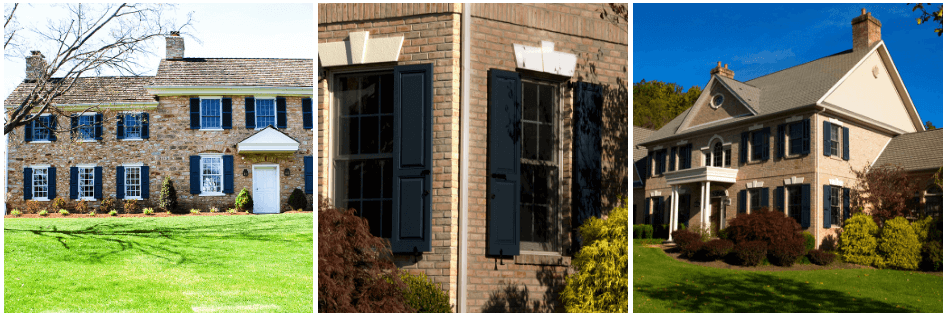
x,y
176,264
663,284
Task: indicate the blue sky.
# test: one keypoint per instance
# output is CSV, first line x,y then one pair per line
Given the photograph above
x,y
681,43
225,30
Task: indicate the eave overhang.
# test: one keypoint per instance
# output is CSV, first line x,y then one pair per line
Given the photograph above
x,y
172,90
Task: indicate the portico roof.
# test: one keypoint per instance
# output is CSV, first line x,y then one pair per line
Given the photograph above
x,y
268,140
702,174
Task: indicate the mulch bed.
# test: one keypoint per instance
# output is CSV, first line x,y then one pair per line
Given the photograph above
x,y
128,215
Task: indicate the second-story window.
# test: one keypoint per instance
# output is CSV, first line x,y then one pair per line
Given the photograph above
x,y
132,126
835,139
758,145
210,113
265,112
796,133
718,154
41,128
86,128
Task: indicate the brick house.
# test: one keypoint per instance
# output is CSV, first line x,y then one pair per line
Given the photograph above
x,y
432,116
214,125
788,141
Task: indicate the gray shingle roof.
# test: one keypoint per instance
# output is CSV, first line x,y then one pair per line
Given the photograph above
x,y
914,151
791,88
93,90
748,93
234,72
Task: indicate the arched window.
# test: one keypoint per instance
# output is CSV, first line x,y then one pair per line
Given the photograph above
x,y
718,155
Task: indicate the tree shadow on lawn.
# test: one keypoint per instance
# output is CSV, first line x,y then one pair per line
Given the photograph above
x,y
719,293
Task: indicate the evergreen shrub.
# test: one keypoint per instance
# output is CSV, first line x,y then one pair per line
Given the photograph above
x,y
922,228
168,198
899,245
600,282
638,231
809,241
297,200
648,231
718,248
244,201
750,253
932,253
821,258
423,295
859,241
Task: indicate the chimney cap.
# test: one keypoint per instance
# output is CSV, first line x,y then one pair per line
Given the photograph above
x,y
863,11
175,33
36,53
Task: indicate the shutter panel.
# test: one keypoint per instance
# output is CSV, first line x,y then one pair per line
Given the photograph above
x,y
28,130
742,201
586,157
120,182
827,207
27,183
97,193
847,203
764,198
504,158
195,113
195,174
805,206
250,106
53,125
307,113
120,127
744,148
780,198
73,126
765,143
411,212
673,158
227,110
685,156
281,112
684,210
780,142
145,182
650,164
806,137
846,140
228,174
73,183
145,126
98,127
308,174
827,139
52,182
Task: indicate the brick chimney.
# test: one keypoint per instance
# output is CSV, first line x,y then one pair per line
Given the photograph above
x,y
175,46
35,66
866,30
723,70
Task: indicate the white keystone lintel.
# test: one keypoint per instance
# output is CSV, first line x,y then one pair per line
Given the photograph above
x,y
794,180
835,121
793,118
545,59
682,142
360,49
655,193
754,184
836,182
755,127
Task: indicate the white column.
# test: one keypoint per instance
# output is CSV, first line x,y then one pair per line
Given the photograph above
x,y
706,200
702,206
673,212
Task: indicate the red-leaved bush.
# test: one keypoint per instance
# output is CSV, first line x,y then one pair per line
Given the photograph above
x,y
692,249
780,233
356,273
718,248
684,237
750,253
887,190
820,257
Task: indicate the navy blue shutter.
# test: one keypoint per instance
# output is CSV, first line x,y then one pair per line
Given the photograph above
x,y
227,105
765,143
97,194
145,126
742,201
120,182
73,183
764,199
27,183
228,174
586,155
847,203
307,113
195,113
52,182
827,206
846,140
744,148
827,139
28,130
98,127
662,163
780,198
53,124
120,127
805,206
281,112
780,142
308,174
806,137
73,126
413,163
650,162
145,182
195,174
673,158
505,90
250,106
689,155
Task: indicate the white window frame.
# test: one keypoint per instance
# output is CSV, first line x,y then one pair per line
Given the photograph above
x,y
559,131
200,111
79,127
139,117
91,173
127,185
840,204
713,102
788,200
755,193
256,107
34,186
835,139
203,158
35,125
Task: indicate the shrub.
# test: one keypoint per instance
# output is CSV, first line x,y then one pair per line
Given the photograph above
x,y
922,228
32,206
722,234
638,231
43,213
244,201
692,249
780,234
684,237
63,212
648,231
750,253
859,241
297,200
899,245
16,213
718,248
819,257
113,213
168,198
932,256
148,211
214,210
108,204
231,211
603,258
92,213
195,211
131,206
59,203
81,206
809,241
423,295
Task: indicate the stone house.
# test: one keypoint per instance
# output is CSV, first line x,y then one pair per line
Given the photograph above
x,y
788,141
213,125
433,116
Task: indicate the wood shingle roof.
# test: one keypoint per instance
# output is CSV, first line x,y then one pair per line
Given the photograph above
x,y
93,90
234,72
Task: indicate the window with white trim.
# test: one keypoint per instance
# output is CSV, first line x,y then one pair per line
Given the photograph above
x,y
794,202
86,183
133,126
755,199
835,205
40,183
211,174
835,140
539,167
211,113
41,127
796,138
132,182
933,200
86,127
265,112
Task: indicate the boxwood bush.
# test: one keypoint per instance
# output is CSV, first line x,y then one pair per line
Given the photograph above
x,y
899,245
638,231
932,253
820,257
718,248
859,241
750,253
809,241
648,231
424,295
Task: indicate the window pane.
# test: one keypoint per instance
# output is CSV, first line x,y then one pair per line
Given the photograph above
x,y
386,218
265,113
547,103
386,96
529,141
525,219
373,179
354,179
349,100
526,182
371,210
210,113
369,135
529,101
387,134
546,143
541,227
369,96
387,166
542,182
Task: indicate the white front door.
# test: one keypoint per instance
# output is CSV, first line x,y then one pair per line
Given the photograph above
x,y
265,189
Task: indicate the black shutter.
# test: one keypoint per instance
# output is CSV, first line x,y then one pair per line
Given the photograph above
x,y
827,206
728,158
780,198
411,210
227,111
27,183
228,174
97,193
662,163
504,157
195,174
145,182
308,174
742,201
805,206
650,163
73,183
827,139
307,113
97,127
53,124
281,112
780,142
764,198
847,203
120,127
846,140
806,137
686,155
52,182
586,169
249,106
673,158
28,130
744,148
195,113
120,182
145,126
765,143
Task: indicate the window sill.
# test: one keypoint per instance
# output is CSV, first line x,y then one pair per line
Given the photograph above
x,y
133,139
132,198
215,194
41,141
211,129
40,199
542,258
87,199
86,140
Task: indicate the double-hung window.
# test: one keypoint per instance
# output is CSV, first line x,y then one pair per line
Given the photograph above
x,y
754,145
796,134
211,113
41,128
132,182
211,174
40,183
86,128
835,205
758,145
835,141
755,199
132,125
539,166
86,183
795,202
265,112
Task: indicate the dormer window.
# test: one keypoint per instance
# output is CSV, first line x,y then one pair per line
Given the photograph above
x,y
717,101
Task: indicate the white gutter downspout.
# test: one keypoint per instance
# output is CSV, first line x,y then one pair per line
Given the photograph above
x,y
464,155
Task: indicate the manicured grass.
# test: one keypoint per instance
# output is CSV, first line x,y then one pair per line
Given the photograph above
x,y
176,264
665,285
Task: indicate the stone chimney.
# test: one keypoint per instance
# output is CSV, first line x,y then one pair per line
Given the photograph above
x,y
723,70
175,46
35,66
866,30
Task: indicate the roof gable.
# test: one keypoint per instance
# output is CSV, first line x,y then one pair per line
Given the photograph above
x,y
268,140
735,95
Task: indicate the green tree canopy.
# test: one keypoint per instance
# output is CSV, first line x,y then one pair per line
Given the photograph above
x,y
656,103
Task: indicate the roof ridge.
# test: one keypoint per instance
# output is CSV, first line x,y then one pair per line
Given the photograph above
x,y
215,58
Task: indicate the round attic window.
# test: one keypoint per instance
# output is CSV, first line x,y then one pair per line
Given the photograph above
x,y
717,101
